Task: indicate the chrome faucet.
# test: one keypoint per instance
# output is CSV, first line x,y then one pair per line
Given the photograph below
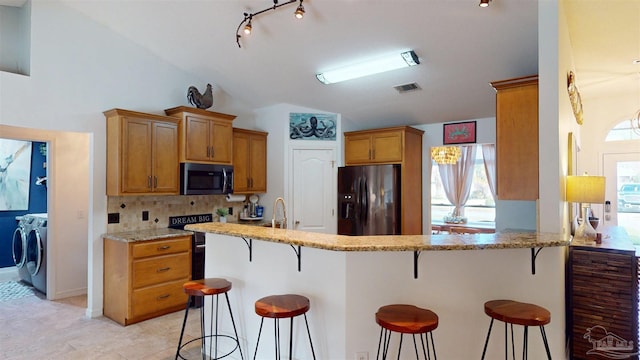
x,y
283,221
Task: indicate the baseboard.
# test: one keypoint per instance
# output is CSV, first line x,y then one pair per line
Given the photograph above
x,y
68,293
93,313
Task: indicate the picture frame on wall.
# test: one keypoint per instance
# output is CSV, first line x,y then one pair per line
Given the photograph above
x,y
459,133
311,126
15,174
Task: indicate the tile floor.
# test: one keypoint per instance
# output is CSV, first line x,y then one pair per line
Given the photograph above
x,y
36,328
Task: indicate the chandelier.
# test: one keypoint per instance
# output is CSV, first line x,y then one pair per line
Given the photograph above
x,y
299,14
448,155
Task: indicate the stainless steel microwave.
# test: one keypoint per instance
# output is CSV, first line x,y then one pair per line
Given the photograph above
x,y
205,179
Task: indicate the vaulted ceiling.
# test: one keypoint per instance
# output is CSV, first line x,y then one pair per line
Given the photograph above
x,y
461,46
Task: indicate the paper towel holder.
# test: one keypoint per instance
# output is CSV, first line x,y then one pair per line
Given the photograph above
x,y
235,198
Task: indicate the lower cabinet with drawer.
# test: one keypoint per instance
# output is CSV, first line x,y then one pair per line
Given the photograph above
x,y
144,279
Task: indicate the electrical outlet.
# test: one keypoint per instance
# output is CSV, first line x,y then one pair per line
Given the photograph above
x,y
145,215
113,218
362,355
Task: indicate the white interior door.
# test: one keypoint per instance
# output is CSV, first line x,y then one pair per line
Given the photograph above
x,y
620,170
314,190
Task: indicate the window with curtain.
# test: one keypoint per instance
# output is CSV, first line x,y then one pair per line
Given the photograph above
x,y
473,188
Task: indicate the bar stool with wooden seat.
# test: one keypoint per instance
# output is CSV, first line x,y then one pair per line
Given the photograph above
x,y
280,307
211,287
406,319
514,312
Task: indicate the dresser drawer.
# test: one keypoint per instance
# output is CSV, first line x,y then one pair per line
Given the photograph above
x,y
162,247
160,269
153,299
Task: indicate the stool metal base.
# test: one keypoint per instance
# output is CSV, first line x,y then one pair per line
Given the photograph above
x,y
525,345
276,329
385,338
214,337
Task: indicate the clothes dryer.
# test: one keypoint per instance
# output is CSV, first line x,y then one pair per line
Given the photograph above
x,y
36,259
19,248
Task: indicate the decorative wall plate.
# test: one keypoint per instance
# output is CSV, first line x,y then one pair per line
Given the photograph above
x,y
574,97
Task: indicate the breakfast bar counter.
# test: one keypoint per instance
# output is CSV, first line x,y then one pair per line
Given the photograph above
x,y
503,240
347,278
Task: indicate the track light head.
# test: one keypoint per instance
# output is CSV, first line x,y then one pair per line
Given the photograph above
x,y
247,28
484,3
299,11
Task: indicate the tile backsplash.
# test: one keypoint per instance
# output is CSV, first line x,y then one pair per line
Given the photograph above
x,y
159,208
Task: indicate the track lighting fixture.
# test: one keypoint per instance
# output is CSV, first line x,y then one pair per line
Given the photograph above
x,y
299,14
484,3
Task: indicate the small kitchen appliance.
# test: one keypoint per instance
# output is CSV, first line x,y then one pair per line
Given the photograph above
x,y
205,179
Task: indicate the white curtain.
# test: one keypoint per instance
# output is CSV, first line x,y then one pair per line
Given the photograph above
x,y
457,178
489,156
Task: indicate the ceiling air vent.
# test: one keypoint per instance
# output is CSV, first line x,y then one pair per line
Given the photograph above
x,y
407,87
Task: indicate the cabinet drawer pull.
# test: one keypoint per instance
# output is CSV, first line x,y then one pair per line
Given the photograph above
x,y
164,269
164,247
149,181
162,297
155,182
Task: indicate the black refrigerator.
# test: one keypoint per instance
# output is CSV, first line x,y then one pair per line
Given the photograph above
x,y
369,200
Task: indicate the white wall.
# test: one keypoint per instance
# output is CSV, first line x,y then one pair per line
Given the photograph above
x,y
275,120
555,116
78,70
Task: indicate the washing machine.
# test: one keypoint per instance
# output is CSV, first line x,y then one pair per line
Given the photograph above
x,y
19,248
36,259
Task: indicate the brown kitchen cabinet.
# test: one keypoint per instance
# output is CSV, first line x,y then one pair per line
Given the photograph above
x,y
249,161
395,145
144,279
205,136
602,297
517,138
368,147
142,154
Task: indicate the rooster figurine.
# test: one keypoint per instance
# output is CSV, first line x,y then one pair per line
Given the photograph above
x,y
201,101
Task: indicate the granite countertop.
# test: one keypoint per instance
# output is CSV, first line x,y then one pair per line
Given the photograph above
x,y
147,234
504,240
613,238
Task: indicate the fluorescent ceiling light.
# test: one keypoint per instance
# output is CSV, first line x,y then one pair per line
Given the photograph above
x,y
375,66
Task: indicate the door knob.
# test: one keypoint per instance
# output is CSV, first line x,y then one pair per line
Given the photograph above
x,y
297,222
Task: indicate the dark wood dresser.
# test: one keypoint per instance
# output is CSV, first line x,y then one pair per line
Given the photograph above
x,y
602,298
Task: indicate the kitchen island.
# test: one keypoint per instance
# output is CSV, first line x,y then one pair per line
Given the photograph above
x,y
348,278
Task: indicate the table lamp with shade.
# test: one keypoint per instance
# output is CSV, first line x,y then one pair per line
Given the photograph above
x,y
585,190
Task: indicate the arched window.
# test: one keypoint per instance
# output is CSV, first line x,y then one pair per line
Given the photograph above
x,y
623,131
